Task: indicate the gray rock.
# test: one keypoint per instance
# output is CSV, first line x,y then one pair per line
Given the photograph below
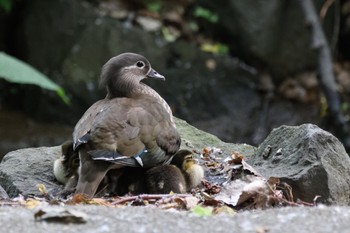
x,y
272,34
3,193
22,170
195,139
309,159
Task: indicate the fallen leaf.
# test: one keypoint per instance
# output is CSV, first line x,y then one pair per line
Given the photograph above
x,y
202,211
224,210
210,187
206,151
236,158
191,202
31,203
60,215
249,168
250,188
262,230
42,189
78,199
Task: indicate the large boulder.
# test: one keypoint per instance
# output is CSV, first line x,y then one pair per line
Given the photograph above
x,y
312,161
269,34
22,170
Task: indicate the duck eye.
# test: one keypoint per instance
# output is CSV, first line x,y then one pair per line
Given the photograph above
x,y
140,64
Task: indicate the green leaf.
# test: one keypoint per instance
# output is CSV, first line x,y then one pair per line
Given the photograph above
x,y
154,5
16,71
62,94
167,35
6,5
216,48
206,14
202,211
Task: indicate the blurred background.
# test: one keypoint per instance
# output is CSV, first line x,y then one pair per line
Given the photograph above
x,y
234,68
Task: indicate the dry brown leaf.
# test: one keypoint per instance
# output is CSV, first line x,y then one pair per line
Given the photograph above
x,y
191,202
31,203
248,189
262,230
206,151
211,188
42,189
180,202
249,168
224,210
60,215
236,158
78,199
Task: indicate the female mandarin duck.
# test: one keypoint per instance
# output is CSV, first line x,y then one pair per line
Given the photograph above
x,y
133,126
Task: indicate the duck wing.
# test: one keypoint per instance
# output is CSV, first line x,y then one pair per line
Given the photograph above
x,y
128,132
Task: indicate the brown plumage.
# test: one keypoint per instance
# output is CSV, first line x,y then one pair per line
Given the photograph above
x,y
66,167
180,176
165,179
133,126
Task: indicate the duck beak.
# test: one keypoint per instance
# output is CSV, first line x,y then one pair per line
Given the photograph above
x,y
154,74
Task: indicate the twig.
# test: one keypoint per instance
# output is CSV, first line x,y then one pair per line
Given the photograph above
x,y
149,197
324,9
9,203
336,25
326,75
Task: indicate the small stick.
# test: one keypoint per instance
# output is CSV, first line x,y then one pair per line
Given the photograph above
x,y
149,197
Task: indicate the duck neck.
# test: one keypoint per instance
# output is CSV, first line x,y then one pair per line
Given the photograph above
x,y
135,90
146,90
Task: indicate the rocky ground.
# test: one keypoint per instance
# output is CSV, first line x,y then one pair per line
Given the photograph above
x,y
142,219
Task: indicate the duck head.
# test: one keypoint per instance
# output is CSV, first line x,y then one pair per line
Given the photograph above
x,y
122,74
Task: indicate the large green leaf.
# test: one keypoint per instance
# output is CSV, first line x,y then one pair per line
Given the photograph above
x,y
6,5
16,71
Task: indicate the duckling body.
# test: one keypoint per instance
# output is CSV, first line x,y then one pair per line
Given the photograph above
x,y
60,172
67,164
180,176
65,168
192,172
133,126
165,179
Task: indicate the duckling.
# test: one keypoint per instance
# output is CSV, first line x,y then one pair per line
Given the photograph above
x,y
180,176
67,164
192,172
132,181
165,179
132,127
161,179
65,168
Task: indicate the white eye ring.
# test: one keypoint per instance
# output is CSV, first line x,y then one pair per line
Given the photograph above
x,y
140,64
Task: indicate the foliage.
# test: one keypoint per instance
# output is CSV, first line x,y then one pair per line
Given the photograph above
x,y
215,48
202,211
168,36
206,14
153,5
6,5
16,71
